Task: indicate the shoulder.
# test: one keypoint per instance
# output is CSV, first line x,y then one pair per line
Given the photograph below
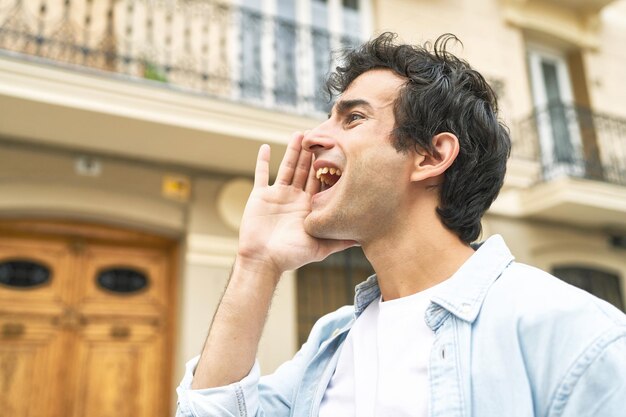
x,y
596,383
548,318
562,336
528,293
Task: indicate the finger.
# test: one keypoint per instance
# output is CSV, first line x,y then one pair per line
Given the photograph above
x,y
313,185
303,169
262,170
290,160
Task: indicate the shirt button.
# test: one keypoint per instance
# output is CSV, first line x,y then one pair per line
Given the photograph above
x,y
465,308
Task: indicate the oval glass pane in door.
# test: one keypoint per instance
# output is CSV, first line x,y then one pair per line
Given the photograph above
x,y
122,280
23,274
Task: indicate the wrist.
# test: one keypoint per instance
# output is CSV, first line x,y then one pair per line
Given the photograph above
x,y
259,267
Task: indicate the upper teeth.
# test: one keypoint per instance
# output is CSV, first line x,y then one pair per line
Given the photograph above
x,y
326,170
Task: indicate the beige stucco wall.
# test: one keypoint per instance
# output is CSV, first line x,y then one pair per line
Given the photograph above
x,y
606,66
41,182
481,26
494,35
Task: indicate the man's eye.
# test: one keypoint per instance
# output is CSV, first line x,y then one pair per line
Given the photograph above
x,y
353,117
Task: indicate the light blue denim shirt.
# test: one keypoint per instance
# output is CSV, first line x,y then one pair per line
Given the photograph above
x,y
510,340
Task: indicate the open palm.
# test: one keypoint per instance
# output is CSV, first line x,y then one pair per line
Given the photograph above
x,y
272,228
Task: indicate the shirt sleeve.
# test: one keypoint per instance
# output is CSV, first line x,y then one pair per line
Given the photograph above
x,y
235,400
256,395
253,396
596,386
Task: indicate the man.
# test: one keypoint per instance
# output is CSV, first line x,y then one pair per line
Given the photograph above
x,y
410,158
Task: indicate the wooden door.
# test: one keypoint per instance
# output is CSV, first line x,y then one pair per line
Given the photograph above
x,y
95,338
33,344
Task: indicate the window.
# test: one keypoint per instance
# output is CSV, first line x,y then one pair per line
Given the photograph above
x,y
23,274
325,286
285,53
321,47
555,113
286,35
251,70
602,284
351,4
122,280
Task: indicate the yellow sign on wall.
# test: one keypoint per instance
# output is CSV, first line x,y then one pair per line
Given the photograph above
x,y
176,187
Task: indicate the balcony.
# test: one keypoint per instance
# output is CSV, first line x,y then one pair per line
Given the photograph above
x,y
584,6
568,164
192,83
574,141
216,49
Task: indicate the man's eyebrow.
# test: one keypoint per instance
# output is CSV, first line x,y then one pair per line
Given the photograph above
x,y
343,106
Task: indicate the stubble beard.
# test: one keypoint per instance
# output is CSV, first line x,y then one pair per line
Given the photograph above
x,y
332,220
358,221
329,225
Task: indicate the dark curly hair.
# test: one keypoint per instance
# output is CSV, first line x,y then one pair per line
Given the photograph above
x,y
442,94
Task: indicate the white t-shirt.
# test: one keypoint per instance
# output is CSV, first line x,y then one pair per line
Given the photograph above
x,y
382,369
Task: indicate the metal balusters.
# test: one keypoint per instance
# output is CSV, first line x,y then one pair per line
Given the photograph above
x,y
187,64
585,144
149,61
251,40
220,49
108,43
41,27
167,48
221,69
126,53
204,54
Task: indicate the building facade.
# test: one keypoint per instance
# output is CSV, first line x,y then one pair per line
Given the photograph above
x,y
128,135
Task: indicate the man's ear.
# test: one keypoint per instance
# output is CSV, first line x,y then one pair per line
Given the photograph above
x,y
426,166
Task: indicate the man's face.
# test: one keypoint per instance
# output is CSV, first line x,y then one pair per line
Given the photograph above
x,y
364,197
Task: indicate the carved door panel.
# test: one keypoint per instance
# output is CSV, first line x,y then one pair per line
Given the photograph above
x,y
122,281
34,341
122,298
84,327
31,367
121,364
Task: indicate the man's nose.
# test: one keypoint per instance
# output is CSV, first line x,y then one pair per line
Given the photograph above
x,y
318,138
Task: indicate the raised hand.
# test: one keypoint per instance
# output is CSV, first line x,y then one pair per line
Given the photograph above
x,y
272,229
271,240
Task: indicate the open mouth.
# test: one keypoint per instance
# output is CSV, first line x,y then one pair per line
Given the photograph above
x,y
328,177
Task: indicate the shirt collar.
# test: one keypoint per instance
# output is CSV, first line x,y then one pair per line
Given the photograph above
x,y
464,292
364,293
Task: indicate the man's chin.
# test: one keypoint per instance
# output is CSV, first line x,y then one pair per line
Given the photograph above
x,y
324,227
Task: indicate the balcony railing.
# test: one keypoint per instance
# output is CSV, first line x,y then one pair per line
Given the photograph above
x,y
573,141
222,50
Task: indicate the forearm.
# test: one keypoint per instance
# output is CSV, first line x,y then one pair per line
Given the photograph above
x,y
231,346
272,240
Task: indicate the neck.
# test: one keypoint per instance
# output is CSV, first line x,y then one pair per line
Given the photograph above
x,y
415,257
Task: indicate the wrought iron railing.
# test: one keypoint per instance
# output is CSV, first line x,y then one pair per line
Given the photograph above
x,y
214,48
573,140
